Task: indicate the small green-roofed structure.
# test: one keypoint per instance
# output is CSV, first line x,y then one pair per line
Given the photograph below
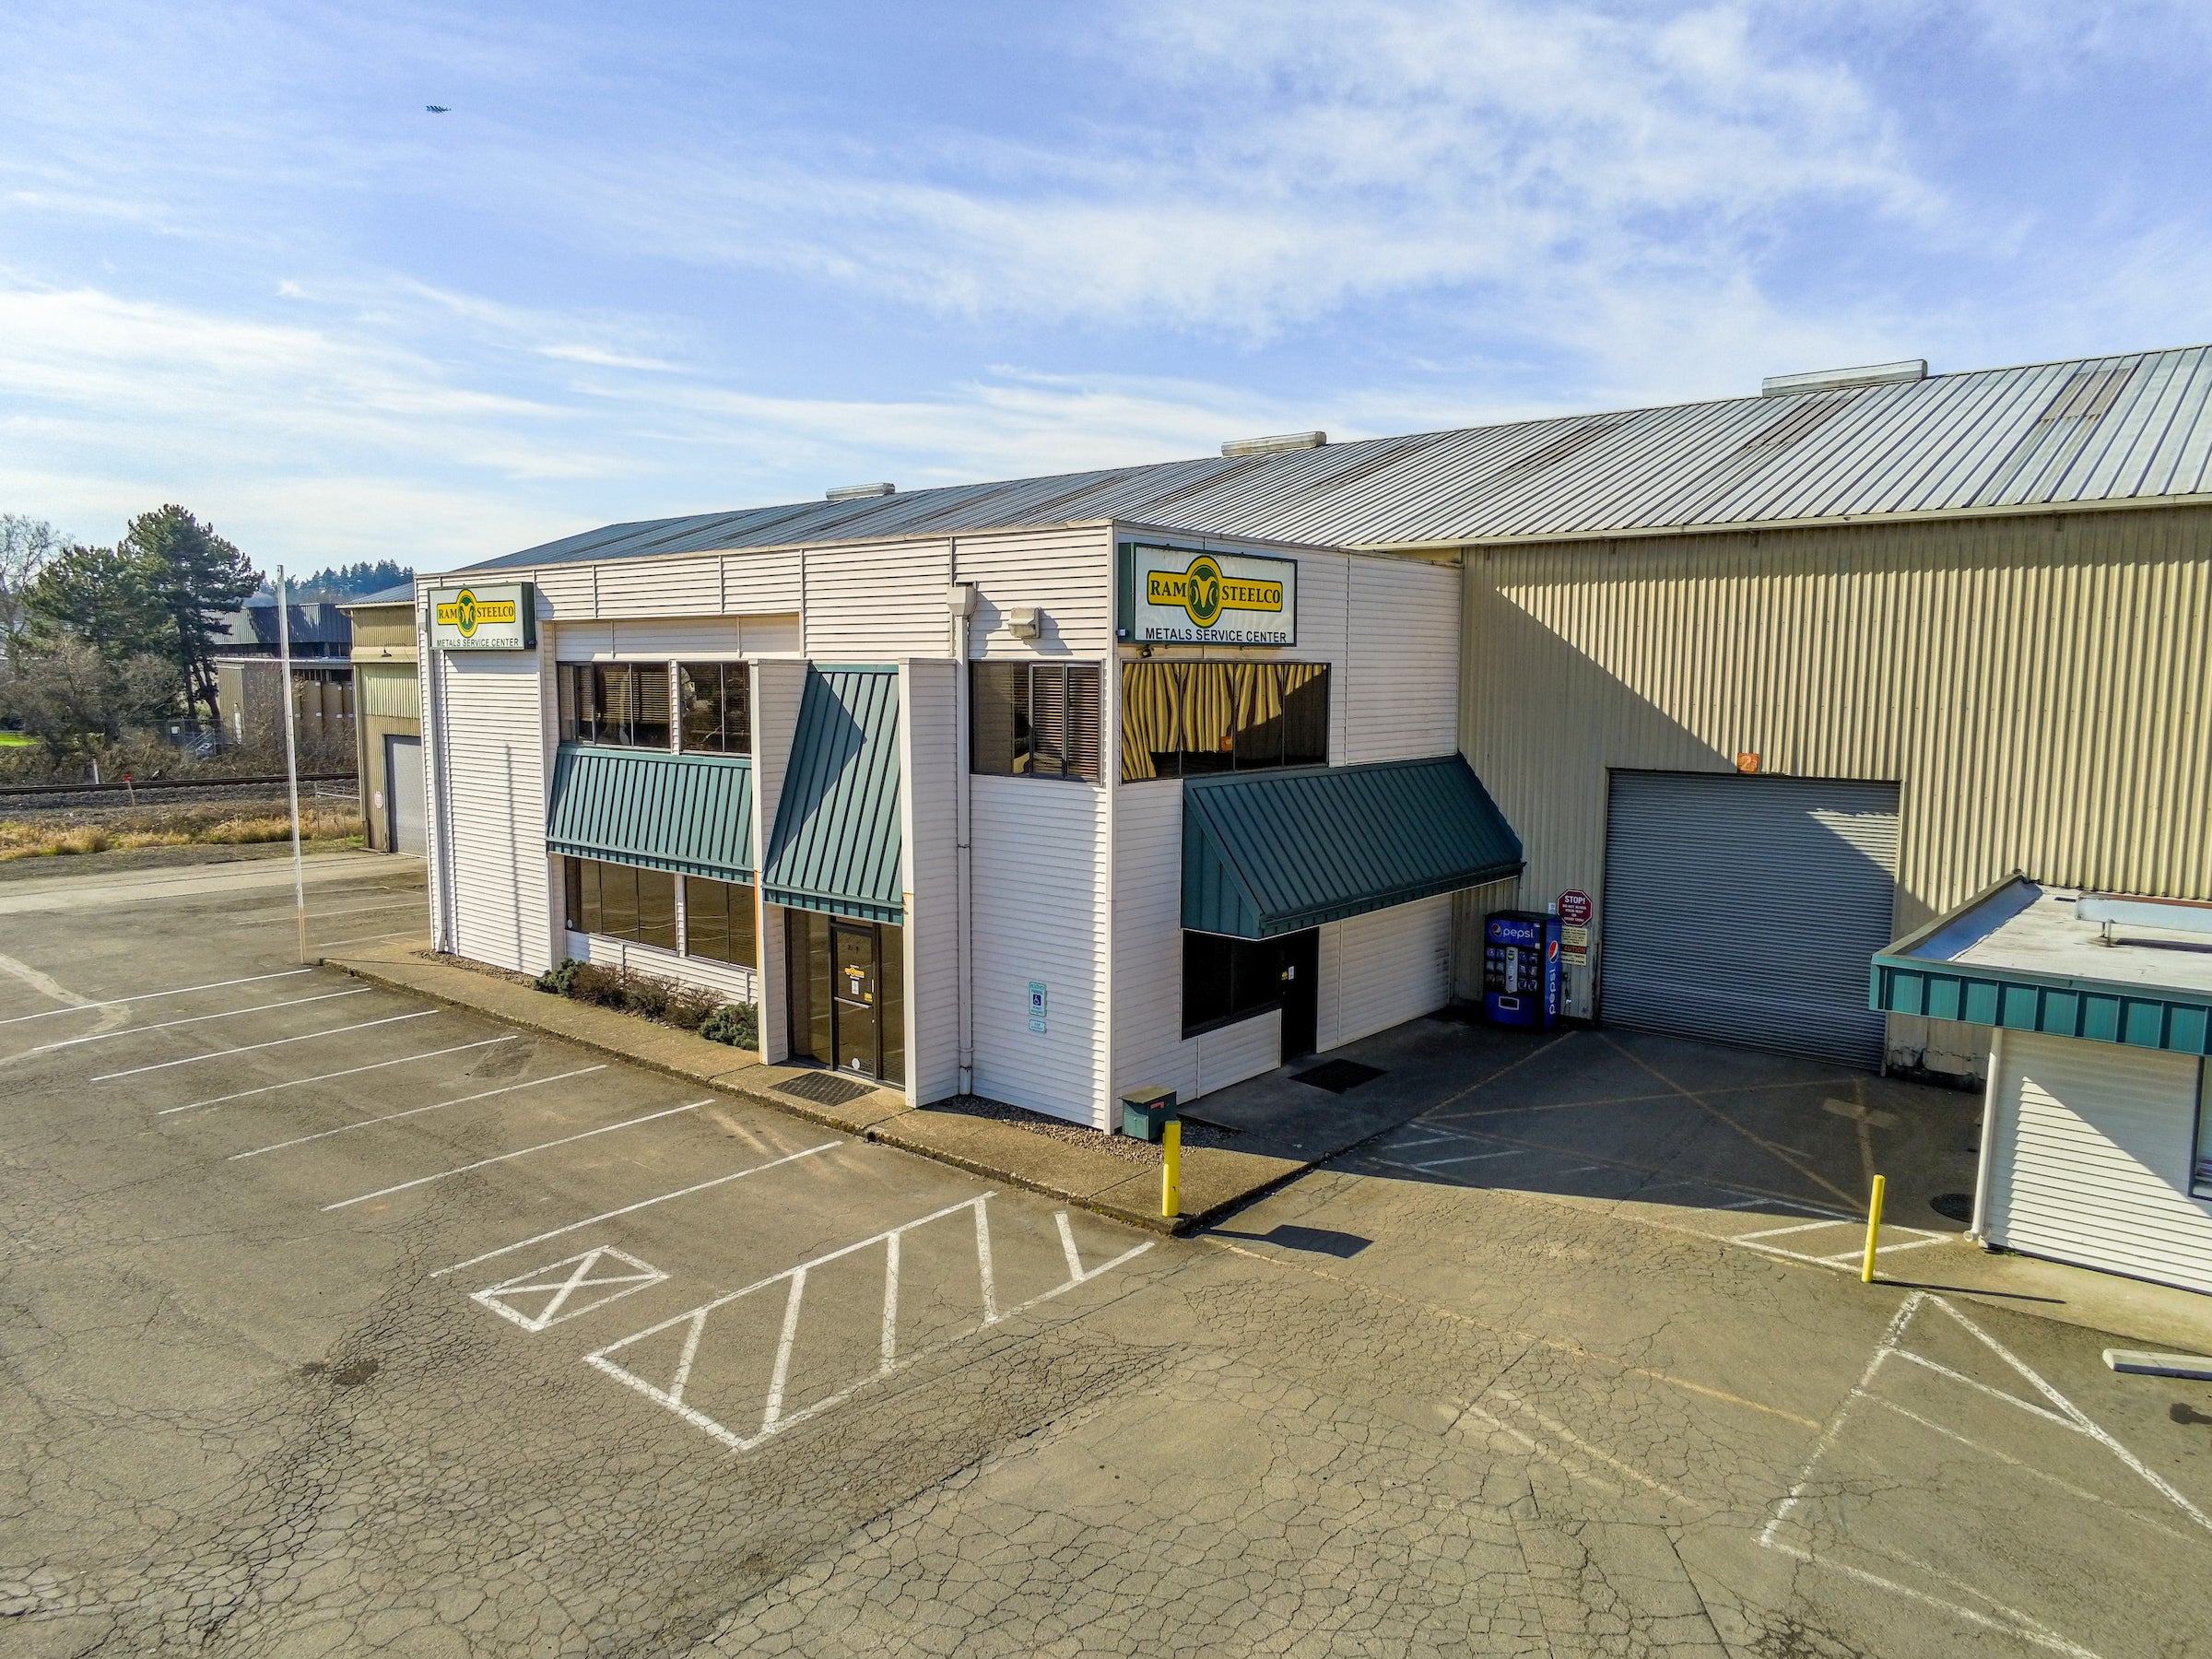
x,y
689,813
1278,851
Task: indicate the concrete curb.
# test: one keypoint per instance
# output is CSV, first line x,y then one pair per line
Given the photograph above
x,y
1215,1182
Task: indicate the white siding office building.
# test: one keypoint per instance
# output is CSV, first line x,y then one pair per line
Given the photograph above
x,y
1043,814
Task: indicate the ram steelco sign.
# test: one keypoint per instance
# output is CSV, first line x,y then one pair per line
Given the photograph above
x,y
1176,596
491,618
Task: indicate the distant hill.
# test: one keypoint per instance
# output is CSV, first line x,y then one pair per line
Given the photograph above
x,y
346,581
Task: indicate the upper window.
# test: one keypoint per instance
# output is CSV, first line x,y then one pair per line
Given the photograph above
x,y
1182,720
715,701
621,703
1036,720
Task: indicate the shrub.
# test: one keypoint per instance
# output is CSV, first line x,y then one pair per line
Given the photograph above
x,y
601,986
737,1024
560,977
691,1006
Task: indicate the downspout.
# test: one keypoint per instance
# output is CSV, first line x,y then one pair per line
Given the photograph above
x,y
960,600
1979,1231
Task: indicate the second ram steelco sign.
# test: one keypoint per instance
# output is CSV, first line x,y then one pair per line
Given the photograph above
x,y
490,617
1180,596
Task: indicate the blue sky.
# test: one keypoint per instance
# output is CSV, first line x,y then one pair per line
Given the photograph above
x,y
662,259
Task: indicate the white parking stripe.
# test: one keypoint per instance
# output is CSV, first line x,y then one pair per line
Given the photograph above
x,y
364,909
641,1204
48,1048
277,1042
372,938
519,1152
389,1117
116,1002
247,1094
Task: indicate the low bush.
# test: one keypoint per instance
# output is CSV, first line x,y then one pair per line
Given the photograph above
x,y
687,1008
737,1024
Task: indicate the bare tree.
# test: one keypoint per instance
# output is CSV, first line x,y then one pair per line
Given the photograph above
x,y
25,543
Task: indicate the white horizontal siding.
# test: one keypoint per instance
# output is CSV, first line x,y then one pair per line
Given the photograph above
x,y
1149,1048
872,604
1384,969
583,641
1040,847
776,634
495,795
660,587
761,581
727,979
1400,682
566,592
1231,1054
930,766
677,636
1065,575
2091,1160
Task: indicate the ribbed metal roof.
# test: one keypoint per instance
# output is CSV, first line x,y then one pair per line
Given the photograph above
x,y
2111,429
692,814
1270,852
835,842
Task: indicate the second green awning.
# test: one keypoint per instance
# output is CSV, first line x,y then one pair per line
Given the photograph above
x,y
837,843
1270,852
692,814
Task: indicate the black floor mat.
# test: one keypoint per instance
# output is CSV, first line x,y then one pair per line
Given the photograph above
x,y
824,1089
1336,1076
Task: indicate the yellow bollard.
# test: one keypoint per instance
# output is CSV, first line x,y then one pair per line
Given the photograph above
x,y
1170,1171
1873,1232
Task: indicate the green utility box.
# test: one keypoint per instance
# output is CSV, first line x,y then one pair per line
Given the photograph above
x,y
1147,1112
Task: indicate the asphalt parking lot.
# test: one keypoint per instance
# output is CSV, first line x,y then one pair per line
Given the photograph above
x,y
334,1322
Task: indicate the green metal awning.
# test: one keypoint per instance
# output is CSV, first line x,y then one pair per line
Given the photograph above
x,y
692,814
2016,957
1276,852
836,844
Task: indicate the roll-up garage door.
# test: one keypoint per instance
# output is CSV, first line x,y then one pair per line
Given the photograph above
x,y
1746,910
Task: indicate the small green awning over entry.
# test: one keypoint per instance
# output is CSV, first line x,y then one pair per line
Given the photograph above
x,y
692,814
1277,852
836,844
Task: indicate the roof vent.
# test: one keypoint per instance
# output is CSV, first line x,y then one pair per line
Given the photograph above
x,y
858,492
1837,379
1268,446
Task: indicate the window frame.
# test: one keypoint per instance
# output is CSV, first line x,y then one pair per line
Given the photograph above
x,y
578,881
749,909
2200,1147
1273,969
680,669
1297,707
568,681
1075,739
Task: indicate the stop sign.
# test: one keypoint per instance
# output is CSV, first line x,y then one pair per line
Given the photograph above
x,y
1575,908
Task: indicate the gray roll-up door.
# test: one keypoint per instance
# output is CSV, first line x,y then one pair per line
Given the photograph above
x,y
1746,908
403,783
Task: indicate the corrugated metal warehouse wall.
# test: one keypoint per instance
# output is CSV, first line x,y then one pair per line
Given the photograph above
x,y
2040,687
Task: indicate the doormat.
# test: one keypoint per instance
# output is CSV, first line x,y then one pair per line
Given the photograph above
x,y
823,1088
1336,1076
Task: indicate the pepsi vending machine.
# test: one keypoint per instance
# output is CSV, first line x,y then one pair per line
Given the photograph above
x,y
1521,969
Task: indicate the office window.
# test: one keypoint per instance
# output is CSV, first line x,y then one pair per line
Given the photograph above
x,y
1227,980
620,902
715,700
623,704
1183,720
1035,719
718,919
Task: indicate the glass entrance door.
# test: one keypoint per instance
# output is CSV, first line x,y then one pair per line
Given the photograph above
x,y
856,996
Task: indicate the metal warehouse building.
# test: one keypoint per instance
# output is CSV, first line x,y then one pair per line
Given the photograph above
x,y
1774,680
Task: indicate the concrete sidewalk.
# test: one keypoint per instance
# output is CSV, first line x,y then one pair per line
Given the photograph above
x,y
1215,1180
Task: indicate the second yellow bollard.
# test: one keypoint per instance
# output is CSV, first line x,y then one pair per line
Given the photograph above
x,y
1873,1232
1170,1169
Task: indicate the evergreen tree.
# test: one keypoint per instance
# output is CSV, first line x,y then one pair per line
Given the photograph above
x,y
195,577
104,597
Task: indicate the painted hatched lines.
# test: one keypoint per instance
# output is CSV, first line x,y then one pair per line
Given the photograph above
x,y
612,1273
776,1414
482,1163
1850,1258
2055,1410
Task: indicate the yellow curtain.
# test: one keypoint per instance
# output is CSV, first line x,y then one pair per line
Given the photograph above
x,y
1259,690
1209,708
1151,715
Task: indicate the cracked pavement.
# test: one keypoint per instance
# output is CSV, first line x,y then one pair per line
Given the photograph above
x,y
1380,1413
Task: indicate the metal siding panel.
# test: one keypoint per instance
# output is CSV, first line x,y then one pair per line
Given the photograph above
x,y
1746,910
2096,1154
